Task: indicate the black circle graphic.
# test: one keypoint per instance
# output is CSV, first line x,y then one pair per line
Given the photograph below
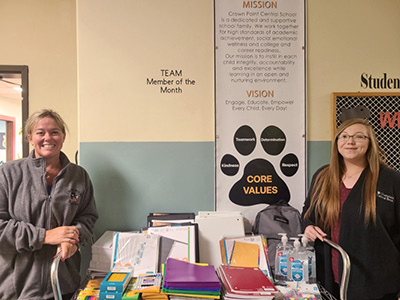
x,y
229,165
273,140
289,164
259,184
245,140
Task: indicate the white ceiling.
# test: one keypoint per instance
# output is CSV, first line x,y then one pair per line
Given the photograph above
x,y
7,91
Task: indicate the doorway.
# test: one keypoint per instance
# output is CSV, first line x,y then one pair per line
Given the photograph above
x,y
13,112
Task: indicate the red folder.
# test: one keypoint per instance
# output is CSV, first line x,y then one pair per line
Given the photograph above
x,y
246,281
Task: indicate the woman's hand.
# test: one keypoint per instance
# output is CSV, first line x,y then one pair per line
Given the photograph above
x,y
62,234
67,250
313,232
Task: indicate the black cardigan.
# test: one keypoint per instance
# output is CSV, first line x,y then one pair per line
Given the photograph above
x,y
374,250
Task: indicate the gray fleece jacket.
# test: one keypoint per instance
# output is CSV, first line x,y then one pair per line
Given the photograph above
x,y
27,210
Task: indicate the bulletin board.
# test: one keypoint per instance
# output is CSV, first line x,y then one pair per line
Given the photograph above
x,y
383,112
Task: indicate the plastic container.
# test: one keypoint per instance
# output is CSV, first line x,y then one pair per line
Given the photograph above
x,y
310,251
283,250
298,261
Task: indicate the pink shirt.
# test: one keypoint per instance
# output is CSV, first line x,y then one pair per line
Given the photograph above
x,y
344,192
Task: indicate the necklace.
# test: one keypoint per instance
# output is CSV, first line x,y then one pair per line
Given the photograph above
x,y
52,173
49,175
350,176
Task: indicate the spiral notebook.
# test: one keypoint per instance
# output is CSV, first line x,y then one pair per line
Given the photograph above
x,y
245,282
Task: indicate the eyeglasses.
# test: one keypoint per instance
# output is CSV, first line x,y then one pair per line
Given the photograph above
x,y
358,138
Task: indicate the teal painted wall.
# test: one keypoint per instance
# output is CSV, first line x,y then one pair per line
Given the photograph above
x,y
132,179
318,154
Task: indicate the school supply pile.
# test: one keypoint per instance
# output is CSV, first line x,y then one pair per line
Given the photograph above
x,y
179,241
115,283
91,290
214,226
146,287
137,250
190,280
305,292
100,264
295,262
275,219
161,263
174,297
163,219
245,283
132,254
128,295
247,251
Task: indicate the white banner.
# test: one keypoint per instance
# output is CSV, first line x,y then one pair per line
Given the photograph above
x,y
260,104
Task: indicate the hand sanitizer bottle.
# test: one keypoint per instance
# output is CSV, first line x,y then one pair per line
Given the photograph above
x,y
283,250
310,251
298,263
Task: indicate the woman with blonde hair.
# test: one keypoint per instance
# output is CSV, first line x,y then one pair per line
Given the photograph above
x,y
47,208
355,201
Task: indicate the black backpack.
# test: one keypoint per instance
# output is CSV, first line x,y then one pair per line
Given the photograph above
x,y
274,219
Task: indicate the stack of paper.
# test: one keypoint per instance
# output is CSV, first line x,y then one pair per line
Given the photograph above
x,y
163,219
100,264
190,280
245,283
214,226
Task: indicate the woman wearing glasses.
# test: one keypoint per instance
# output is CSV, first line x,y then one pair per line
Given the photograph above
x,y
355,201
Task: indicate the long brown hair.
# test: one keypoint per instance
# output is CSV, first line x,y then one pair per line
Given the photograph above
x,y
325,196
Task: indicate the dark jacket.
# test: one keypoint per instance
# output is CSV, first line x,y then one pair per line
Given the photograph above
x,y
374,250
26,212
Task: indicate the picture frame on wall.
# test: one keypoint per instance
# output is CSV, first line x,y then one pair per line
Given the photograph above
x,y
383,112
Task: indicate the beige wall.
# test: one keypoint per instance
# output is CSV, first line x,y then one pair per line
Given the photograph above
x,y
121,46
42,35
345,39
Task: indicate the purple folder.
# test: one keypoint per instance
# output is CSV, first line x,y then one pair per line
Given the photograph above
x,y
187,275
